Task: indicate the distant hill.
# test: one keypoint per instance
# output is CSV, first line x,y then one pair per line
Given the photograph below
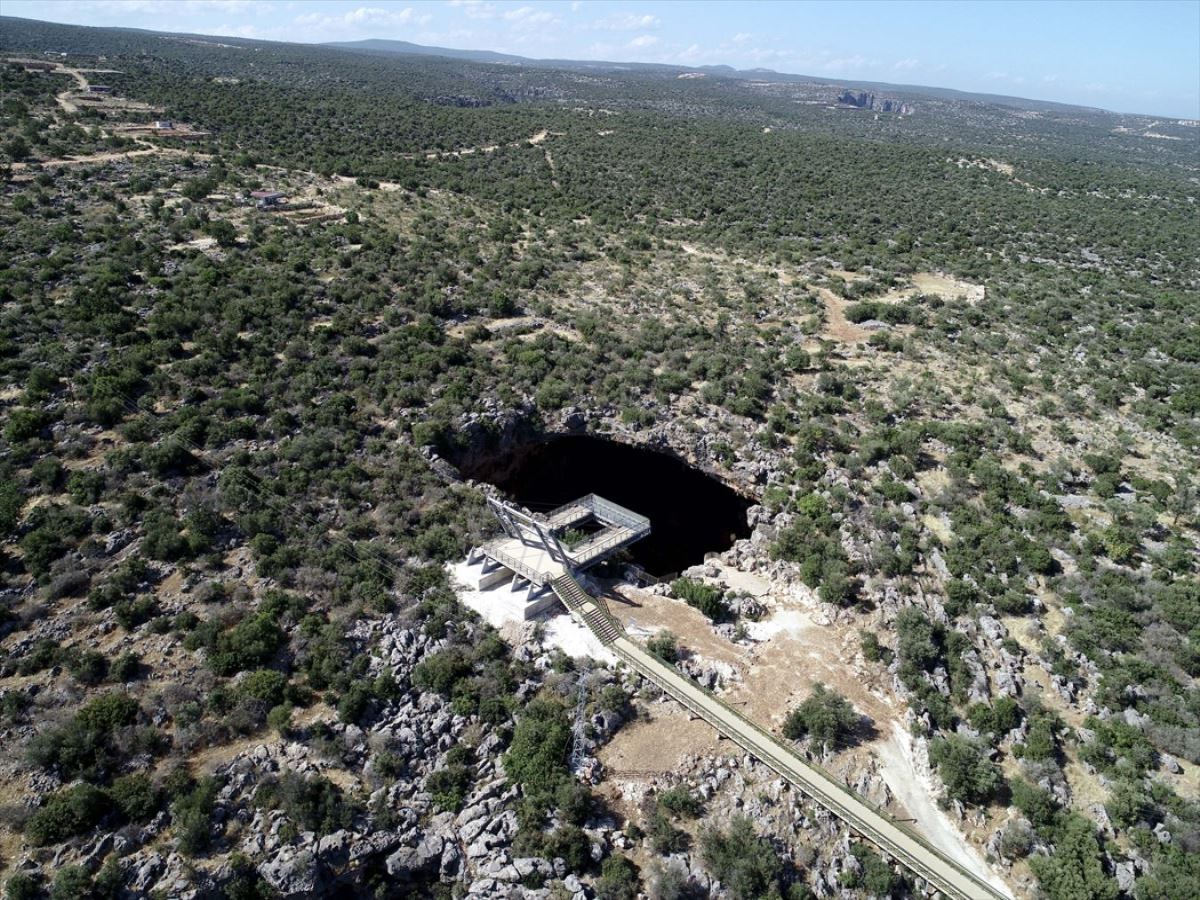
x,y
376,45
407,48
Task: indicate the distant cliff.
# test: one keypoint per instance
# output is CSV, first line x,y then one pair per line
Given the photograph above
x,y
864,100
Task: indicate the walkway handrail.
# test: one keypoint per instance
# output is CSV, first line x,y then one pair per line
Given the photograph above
x,y
942,872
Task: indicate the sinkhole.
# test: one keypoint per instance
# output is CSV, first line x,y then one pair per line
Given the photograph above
x,y
691,513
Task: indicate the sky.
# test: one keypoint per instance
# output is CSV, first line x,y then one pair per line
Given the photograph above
x,y
1141,56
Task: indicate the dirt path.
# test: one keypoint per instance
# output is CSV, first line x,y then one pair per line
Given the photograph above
x,y
915,794
837,326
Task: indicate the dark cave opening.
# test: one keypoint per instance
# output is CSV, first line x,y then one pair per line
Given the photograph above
x,y
691,513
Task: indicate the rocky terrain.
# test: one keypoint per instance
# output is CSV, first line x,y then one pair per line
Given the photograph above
x,y
948,359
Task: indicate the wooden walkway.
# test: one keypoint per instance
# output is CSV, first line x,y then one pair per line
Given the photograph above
x,y
896,840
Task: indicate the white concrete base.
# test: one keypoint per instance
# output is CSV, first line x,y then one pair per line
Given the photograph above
x,y
500,606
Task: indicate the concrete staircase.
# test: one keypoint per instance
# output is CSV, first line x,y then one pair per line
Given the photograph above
x,y
591,610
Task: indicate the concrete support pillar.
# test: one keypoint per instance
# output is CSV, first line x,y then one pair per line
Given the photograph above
x,y
498,575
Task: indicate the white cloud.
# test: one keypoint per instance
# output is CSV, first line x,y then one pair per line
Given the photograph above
x,y
174,7
906,65
475,9
626,21
528,17
642,41
361,20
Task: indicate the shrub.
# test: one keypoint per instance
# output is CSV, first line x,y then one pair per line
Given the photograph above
x,y
537,757
89,667
1036,804
619,879
826,716
132,613
11,501
1076,870
680,801
191,816
251,643
442,671
85,486
136,797
21,887
571,843
664,836
265,685
71,811
449,786
25,424
354,703
744,862
279,719
965,770
665,646
1175,873
998,719
314,803
874,876
704,597
873,650
71,883
126,667
1016,840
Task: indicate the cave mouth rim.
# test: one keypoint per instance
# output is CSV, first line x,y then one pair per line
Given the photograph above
x,y
460,457
695,512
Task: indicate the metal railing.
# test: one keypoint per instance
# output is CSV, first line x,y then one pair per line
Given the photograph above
x,y
526,571
818,784
608,512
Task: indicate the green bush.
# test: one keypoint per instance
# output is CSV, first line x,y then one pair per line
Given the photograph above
x,y
71,811
965,770
84,744
192,817
11,500
125,668
71,883
680,801
874,876
25,424
85,486
664,836
313,803
998,719
449,785
704,597
665,646
537,757
825,716
136,797
252,643
265,685
619,879
21,887
873,650
1076,869
744,862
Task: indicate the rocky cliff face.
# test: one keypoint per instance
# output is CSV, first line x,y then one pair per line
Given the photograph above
x,y
865,100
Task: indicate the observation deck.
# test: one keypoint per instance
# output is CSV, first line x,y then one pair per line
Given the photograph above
x,y
536,549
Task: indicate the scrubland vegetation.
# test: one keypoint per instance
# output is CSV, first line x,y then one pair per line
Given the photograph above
x,y
218,420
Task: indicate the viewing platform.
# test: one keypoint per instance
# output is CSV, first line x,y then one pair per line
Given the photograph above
x,y
536,549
